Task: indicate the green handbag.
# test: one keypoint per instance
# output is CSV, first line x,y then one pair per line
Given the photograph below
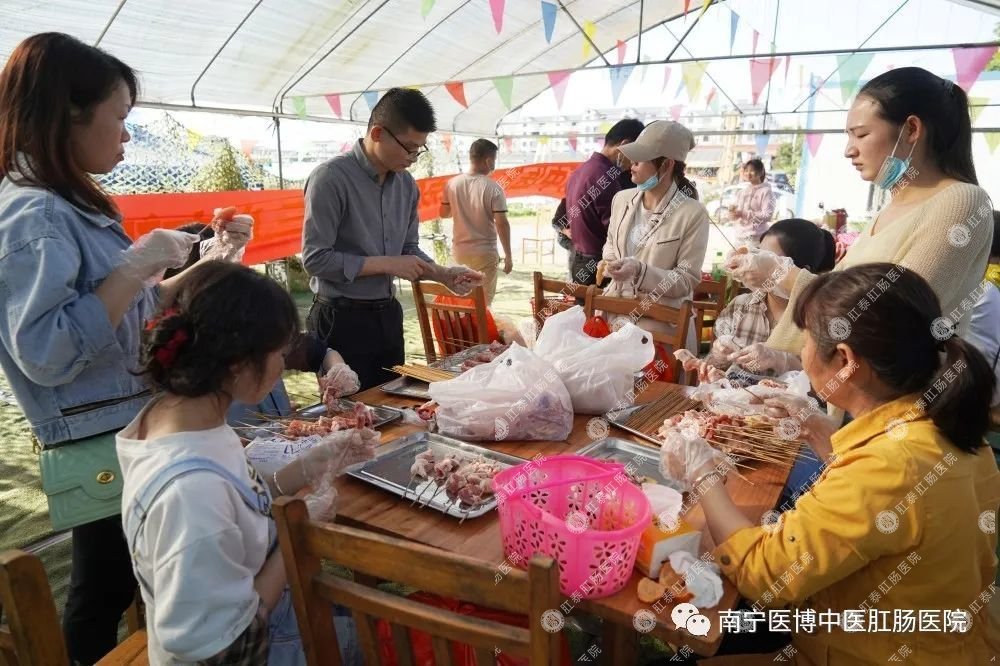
x,y
82,481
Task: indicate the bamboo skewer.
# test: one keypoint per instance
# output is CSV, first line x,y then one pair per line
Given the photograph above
x,y
423,373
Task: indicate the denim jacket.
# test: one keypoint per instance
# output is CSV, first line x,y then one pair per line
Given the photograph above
x,y
69,369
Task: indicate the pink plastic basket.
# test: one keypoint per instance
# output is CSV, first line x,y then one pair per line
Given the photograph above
x,y
583,513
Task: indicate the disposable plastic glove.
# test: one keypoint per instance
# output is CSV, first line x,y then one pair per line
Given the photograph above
x,y
800,418
759,269
624,269
461,279
322,502
684,455
155,252
758,357
337,382
336,452
232,234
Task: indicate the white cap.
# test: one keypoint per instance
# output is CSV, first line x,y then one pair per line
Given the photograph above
x,y
661,138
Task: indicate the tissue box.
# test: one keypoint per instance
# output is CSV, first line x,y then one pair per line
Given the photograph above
x,y
658,542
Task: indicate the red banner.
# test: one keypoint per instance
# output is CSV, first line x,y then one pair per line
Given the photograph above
x,y
278,214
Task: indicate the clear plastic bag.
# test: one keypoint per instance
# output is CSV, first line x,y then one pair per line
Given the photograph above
x,y
516,397
599,373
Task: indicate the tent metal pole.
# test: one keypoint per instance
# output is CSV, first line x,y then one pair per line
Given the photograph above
x,y
683,37
222,48
281,171
107,26
717,58
704,71
583,32
837,69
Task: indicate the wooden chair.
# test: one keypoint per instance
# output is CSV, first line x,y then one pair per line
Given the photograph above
x,y
460,326
538,245
544,307
710,298
639,308
32,635
306,544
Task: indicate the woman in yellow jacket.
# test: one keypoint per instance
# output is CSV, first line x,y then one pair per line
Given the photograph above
x,y
901,524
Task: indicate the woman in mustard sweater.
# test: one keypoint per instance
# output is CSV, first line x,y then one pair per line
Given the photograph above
x,y
900,526
908,131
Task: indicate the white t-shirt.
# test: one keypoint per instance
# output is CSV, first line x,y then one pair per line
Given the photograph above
x,y
201,545
984,331
641,224
474,198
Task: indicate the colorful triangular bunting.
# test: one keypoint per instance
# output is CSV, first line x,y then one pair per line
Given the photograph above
x,y
457,91
505,87
549,11
496,8
619,77
334,102
558,81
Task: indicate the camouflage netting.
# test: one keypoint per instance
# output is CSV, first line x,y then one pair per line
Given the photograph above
x,y
164,157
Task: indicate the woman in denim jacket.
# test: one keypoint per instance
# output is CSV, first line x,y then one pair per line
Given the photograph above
x,y
74,290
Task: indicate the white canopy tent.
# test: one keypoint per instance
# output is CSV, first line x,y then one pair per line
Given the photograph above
x,y
301,58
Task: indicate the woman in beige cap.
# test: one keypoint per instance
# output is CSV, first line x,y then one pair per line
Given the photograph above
x,y
658,233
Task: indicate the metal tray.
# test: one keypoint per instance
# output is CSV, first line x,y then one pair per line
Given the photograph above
x,y
618,417
383,415
646,460
455,361
390,470
408,387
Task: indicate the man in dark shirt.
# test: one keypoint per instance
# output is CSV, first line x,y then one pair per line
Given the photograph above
x,y
589,191
361,231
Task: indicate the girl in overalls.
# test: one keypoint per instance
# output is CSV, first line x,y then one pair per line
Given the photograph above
x,y
196,513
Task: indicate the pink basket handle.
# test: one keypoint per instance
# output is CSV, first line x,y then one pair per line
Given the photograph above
x,y
612,469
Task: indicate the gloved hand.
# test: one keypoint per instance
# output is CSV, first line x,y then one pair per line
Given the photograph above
x,y
232,234
758,357
684,456
336,452
337,382
759,269
800,418
624,269
708,373
155,252
322,502
461,279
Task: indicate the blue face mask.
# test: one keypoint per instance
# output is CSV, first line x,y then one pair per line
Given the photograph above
x,y
893,168
648,184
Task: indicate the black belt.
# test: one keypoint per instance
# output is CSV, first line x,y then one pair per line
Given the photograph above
x,y
341,303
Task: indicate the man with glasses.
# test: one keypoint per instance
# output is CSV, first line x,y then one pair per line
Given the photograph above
x,y
361,231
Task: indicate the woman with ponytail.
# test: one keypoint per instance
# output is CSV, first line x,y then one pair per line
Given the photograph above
x,y
909,133
908,492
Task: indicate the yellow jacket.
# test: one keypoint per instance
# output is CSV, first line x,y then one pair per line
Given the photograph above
x,y
892,523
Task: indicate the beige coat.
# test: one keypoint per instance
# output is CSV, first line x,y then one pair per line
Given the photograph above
x,y
672,252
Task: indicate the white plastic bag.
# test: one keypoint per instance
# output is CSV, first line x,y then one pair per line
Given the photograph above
x,y
599,373
517,396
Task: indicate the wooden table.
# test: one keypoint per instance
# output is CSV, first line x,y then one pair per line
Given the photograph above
x,y
368,507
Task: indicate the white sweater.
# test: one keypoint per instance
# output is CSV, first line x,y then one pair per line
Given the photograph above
x,y
201,545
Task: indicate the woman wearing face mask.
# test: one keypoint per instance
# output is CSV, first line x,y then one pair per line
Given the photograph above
x,y
909,132
657,235
904,495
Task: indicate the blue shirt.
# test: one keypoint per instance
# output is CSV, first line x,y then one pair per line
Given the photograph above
x,y
349,215
69,368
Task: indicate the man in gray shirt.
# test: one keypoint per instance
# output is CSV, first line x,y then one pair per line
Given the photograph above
x,y
361,231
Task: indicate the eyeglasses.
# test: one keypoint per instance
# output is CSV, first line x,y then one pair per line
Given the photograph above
x,y
412,152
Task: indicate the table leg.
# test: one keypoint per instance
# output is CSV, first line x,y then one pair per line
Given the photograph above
x,y
619,644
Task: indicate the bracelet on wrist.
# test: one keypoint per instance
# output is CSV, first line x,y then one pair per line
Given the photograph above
x,y
714,472
274,477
